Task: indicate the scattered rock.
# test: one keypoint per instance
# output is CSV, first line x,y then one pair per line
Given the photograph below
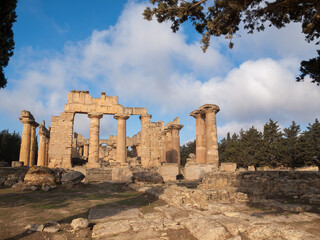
x,y
34,227
79,223
72,177
150,177
40,176
110,228
51,229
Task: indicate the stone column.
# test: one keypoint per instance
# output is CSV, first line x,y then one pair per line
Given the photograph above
x,y
43,145
175,154
27,121
33,144
168,146
201,149
211,133
121,138
42,148
94,140
163,147
145,140
86,150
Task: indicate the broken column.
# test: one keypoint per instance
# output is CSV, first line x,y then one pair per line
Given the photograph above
x,y
43,145
33,144
121,138
201,149
145,140
94,139
28,122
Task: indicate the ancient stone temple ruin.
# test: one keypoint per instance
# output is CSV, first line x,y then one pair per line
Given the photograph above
x,y
156,146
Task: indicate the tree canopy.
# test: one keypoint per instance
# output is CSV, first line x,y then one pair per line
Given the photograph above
x,y
7,18
224,18
273,148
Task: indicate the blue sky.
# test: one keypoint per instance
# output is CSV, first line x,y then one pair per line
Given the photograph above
x,y
106,46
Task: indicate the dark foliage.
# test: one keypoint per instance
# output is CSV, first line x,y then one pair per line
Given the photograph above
x,y
224,18
272,147
7,18
9,146
186,149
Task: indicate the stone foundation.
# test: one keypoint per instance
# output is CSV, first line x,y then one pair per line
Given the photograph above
x,y
196,172
290,185
169,171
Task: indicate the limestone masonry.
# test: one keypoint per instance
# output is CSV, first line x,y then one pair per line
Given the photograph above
x,y
156,145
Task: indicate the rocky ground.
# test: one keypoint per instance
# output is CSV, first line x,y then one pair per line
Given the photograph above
x,y
115,211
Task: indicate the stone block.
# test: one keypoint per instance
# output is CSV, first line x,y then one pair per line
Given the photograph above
x,y
17,164
251,168
196,172
169,171
309,168
228,167
122,174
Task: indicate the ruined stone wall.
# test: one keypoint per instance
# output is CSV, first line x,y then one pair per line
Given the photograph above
x,y
267,184
60,144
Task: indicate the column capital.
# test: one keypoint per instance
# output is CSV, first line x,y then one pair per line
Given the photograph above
x,y
207,108
145,116
95,115
121,116
25,120
197,114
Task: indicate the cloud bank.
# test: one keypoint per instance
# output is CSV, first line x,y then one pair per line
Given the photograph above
x,y
144,62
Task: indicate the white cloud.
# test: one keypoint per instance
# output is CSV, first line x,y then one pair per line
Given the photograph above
x,y
145,63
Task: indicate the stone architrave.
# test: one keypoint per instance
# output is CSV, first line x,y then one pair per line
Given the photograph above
x,y
27,120
211,133
43,145
201,149
145,140
175,141
121,138
94,140
33,144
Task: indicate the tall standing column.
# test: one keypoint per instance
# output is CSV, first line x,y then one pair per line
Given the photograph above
x,y
163,147
94,140
28,120
33,144
43,145
175,154
168,146
201,149
211,133
145,140
121,138
42,148
86,150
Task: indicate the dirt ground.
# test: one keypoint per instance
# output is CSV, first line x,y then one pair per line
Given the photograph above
x,y
19,209
62,205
